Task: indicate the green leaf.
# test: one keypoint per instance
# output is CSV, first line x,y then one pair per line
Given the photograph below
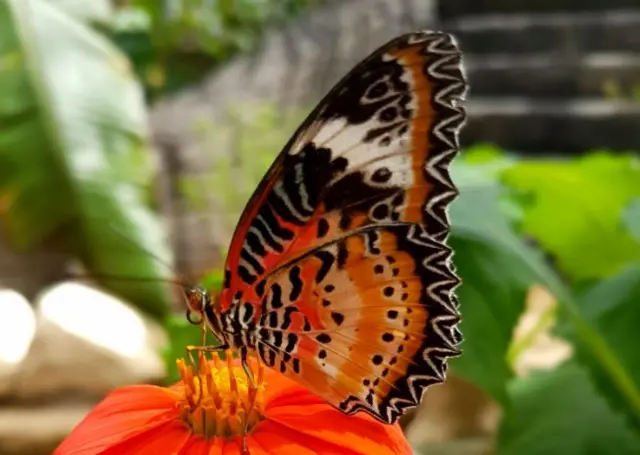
x,y
559,412
74,157
575,211
632,218
612,309
497,269
213,280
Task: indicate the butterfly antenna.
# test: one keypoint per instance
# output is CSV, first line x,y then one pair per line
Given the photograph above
x,y
134,245
126,278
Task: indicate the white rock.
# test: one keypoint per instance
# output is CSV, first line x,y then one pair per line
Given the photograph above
x,y
38,430
17,329
88,341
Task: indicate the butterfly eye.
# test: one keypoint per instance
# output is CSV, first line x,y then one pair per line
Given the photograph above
x,y
195,305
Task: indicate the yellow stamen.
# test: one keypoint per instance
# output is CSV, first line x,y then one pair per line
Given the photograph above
x,y
219,400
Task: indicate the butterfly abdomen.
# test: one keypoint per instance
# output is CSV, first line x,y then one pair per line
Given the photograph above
x,y
234,326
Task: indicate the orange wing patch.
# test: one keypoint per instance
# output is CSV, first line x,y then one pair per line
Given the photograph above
x,y
371,329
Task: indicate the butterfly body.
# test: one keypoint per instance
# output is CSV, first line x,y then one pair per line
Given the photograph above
x,y
338,274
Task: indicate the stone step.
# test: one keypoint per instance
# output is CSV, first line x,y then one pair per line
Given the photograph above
x,y
609,31
455,8
596,75
523,125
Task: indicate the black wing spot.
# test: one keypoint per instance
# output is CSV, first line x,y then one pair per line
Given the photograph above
x,y
327,259
323,227
377,90
338,318
260,288
380,212
296,283
247,277
397,200
292,341
381,175
276,296
388,114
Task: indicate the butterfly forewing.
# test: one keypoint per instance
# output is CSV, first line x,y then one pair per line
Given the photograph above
x,y
362,185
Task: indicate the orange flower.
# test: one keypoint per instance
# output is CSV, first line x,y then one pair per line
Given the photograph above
x,y
284,419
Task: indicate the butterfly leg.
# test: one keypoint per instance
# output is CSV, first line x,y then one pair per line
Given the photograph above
x,y
202,350
253,391
247,369
190,349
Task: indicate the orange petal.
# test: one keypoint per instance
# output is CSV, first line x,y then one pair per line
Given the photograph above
x,y
322,424
281,440
298,420
123,414
199,446
166,439
281,391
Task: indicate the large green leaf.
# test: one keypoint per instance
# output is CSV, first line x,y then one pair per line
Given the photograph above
x,y
612,309
93,11
497,269
559,412
73,149
575,210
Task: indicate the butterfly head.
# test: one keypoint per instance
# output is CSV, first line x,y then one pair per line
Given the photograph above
x,y
203,307
197,299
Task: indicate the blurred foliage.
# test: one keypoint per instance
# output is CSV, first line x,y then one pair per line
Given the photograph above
x,y
236,174
615,90
568,225
560,412
74,158
173,43
594,222
74,154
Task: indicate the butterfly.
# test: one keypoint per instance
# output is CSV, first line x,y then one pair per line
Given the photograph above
x,y
338,274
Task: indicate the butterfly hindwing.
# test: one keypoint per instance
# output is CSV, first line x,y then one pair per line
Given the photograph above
x,y
366,321
374,151
341,250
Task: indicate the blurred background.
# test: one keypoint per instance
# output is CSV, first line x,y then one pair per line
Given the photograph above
x,y
133,132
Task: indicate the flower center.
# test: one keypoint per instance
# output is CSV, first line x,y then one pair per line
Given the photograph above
x,y
219,400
